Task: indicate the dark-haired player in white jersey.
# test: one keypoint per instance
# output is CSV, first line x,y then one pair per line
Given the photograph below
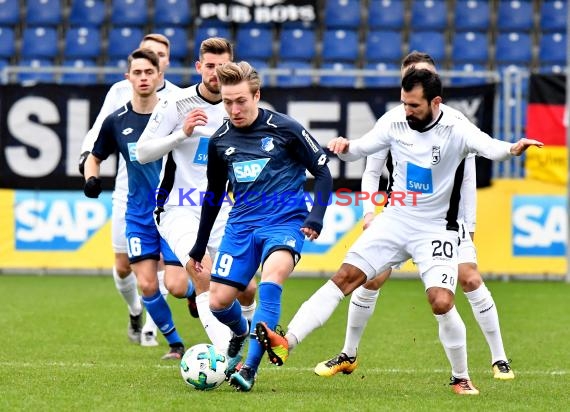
x,y
125,281
265,156
363,299
120,131
428,148
180,129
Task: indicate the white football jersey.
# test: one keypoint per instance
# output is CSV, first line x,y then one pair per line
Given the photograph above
x,y
183,174
118,95
427,162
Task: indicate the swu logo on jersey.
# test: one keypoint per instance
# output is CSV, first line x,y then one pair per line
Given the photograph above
x,y
201,155
249,171
435,155
418,179
267,144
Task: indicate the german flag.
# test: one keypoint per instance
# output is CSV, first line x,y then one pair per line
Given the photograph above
x,y
545,122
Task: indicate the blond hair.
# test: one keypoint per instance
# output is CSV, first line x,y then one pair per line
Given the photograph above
x,y
157,37
231,73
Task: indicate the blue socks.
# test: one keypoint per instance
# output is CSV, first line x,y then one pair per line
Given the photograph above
x,y
160,312
190,288
232,317
268,311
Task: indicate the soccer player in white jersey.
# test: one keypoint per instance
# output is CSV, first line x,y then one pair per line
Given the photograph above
x,y
428,146
363,299
125,281
180,129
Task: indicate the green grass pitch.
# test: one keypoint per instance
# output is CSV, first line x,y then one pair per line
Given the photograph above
x,y
63,347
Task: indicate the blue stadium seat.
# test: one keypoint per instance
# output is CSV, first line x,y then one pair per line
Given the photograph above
x,y
383,46
87,13
431,42
342,14
552,48
43,12
513,48
553,15
177,79
294,80
80,77
551,69
39,77
472,15
129,12
297,43
122,41
178,41
515,15
82,43
115,63
254,44
172,13
382,81
429,15
340,45
467,68
386,14
9,12
39,42
260,66
338,81
204,32
7,42
470,47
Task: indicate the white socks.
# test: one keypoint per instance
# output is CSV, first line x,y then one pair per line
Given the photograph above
x,y
218,333
360,309
314,312
248,311
486,315
127,287
453,337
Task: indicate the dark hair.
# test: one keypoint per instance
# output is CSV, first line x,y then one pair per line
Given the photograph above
x,y
216,45
415,57
430,82
144,54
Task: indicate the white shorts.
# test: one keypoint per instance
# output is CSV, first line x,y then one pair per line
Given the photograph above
x,y
392,239
118,226
179,227
466,251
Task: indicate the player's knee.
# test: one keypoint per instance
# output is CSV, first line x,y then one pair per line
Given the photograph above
x,y
148,287
348,278
122,265
469,277
441,300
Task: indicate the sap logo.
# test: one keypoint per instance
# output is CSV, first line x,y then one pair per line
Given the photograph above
x,y
539,225
249,171
338,221
57,220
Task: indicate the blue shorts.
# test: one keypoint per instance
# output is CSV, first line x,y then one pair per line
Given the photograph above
x,y
144,242
243,249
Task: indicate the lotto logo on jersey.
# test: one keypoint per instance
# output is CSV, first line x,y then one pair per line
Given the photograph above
x,y
57,220
539,225
249,171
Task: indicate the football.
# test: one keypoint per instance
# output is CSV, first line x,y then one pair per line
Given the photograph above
x,y
203,367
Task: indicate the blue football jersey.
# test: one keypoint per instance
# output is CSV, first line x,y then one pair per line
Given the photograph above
x,y
121,130
266,165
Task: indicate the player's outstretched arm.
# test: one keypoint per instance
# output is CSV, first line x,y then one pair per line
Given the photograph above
x,y
520,147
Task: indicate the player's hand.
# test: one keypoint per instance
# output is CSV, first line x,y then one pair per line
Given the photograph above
x,y
519,147
92,187
311,234
368,218
338,145
82,159
196,117
196,265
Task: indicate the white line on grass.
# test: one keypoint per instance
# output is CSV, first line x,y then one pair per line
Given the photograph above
x,y
268,368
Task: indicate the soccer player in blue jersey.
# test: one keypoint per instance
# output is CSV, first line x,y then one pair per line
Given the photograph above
x,y
121,130
264,155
